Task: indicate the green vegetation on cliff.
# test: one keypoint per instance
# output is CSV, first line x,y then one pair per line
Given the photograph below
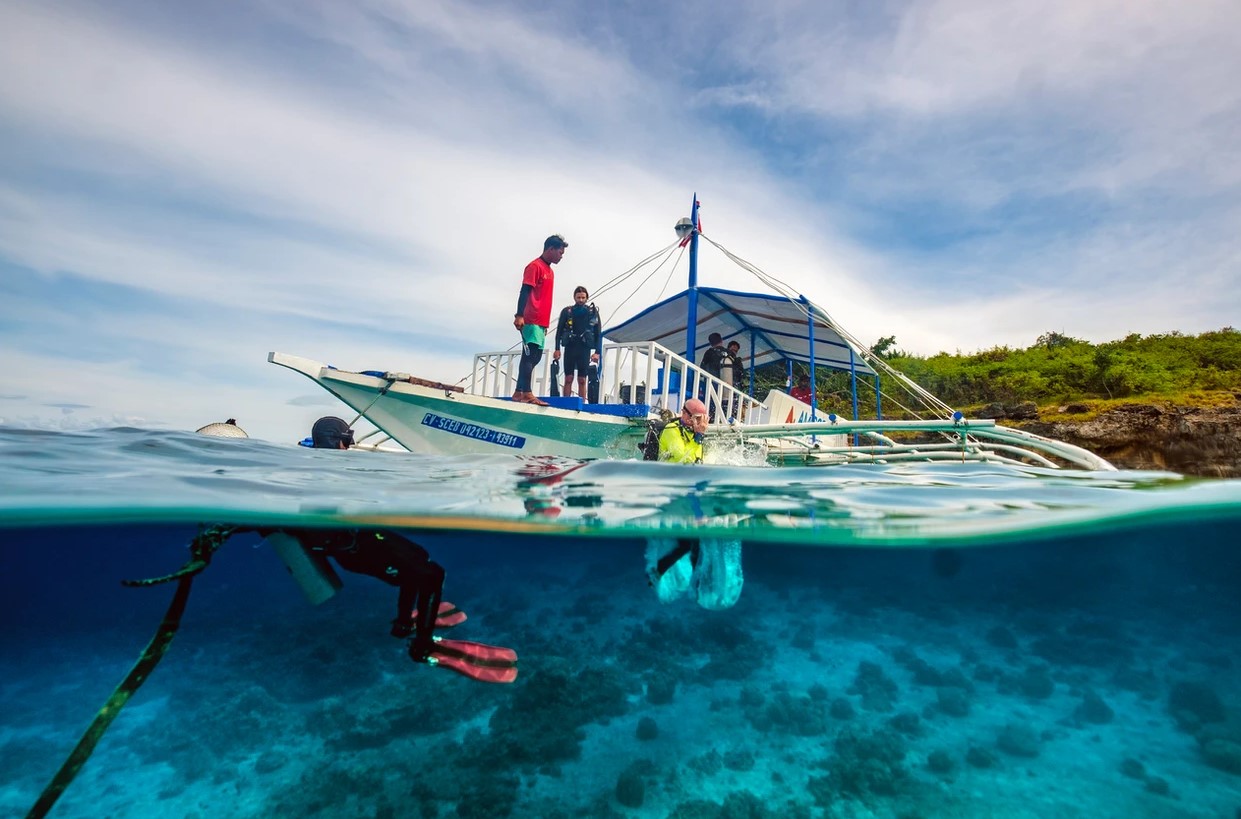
x,y
1056,369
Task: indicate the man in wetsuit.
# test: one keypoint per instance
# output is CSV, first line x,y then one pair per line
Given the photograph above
x,y
398,561
534,313
713,359
578,333
738,366
330,432
681,440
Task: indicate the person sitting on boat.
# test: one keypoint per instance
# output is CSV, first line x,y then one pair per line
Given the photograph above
x,y
330,432
534,314
802,391
578,332
681,440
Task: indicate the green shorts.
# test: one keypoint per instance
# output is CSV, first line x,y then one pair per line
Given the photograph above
x,y
533,334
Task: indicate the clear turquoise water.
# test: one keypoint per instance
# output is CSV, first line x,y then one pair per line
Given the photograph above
x,y
913,640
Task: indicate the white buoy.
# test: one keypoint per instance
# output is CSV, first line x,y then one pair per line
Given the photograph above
x,y
228,429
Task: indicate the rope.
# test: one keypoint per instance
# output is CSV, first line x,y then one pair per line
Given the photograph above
x,y
784,289
201,550
616,280
378,395
808,309
649,276
620,277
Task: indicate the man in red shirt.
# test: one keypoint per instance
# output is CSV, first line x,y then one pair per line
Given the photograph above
x,y
802,391
534,314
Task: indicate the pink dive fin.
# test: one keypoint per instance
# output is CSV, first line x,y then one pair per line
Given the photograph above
x,y
493,664
447,616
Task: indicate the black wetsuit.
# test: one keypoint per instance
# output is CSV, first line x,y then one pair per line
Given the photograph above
x,y
577,332
395,560
713,360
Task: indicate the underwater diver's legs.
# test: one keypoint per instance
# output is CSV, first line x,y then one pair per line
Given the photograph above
x,y
400,562
684,546
581,388
478,661
447,616
669,567
717,577
568,386
422,598
707,570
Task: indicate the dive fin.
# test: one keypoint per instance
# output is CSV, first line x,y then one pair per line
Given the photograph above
x,y
493,664
476,672
447,616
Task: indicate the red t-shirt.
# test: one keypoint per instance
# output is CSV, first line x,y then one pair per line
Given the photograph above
x,y
539,276
801,394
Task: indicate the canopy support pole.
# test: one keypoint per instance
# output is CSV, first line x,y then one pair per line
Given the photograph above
x,y
691,320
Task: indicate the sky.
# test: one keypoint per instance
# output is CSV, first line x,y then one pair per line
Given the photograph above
x,y
185,187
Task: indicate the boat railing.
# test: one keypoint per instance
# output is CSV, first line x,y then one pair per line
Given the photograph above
x,y
494,374
629,373
646,372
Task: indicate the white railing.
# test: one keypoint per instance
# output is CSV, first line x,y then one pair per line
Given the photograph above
x,y
495,374
664,380
636,373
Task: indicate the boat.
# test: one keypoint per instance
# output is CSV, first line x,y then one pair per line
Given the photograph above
x,y
647,370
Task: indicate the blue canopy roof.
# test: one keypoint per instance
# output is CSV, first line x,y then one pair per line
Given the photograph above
x,y
771,327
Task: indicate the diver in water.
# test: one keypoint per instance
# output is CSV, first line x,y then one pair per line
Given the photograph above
x,y
330,432
420,609
681,441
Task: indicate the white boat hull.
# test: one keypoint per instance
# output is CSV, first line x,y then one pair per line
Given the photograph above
x,y
435,421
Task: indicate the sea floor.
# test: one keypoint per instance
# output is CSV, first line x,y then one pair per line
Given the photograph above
x,y
976,684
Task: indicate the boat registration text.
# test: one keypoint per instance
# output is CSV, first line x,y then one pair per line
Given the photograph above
x,y
457,427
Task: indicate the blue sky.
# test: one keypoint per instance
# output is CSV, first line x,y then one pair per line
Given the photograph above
x,y
186,186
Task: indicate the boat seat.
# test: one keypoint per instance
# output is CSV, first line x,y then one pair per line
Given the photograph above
x,y
619,410
576,403
573,402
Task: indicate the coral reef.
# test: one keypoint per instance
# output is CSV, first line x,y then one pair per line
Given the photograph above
x,y
1018,739
865,763
877,690
647,729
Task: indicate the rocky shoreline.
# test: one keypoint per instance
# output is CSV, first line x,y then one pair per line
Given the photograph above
x,y
1199,441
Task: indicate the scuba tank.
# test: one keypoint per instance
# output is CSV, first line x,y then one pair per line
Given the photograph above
x,y
310,570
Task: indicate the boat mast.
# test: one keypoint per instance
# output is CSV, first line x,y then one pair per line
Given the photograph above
x,y
691,320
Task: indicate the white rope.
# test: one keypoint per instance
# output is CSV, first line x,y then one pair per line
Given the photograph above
x,y
876,363
663,256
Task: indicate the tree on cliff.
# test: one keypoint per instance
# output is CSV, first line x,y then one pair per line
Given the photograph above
x,y
1056,368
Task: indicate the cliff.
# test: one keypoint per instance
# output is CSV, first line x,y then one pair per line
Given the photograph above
x,y
1203,441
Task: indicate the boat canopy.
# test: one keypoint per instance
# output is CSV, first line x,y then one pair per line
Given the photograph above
x,y
769,327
